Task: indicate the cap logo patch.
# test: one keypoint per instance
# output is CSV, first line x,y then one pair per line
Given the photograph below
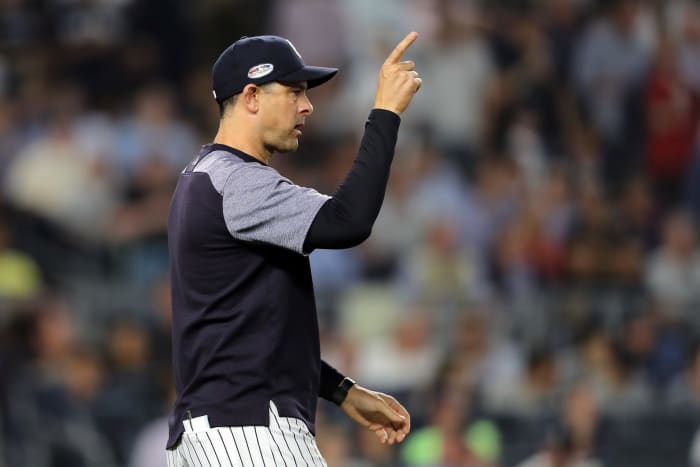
x,y
258,71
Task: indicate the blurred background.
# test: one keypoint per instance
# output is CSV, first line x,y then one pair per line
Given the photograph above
x,y
530,290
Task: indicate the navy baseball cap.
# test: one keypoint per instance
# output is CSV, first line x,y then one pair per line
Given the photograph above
x,y
260,60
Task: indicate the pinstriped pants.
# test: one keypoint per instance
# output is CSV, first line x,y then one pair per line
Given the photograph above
x,y
286,442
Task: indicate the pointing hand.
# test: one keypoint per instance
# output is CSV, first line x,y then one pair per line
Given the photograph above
x,y
398,81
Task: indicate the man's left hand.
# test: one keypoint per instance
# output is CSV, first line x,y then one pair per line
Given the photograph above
x,y
378,412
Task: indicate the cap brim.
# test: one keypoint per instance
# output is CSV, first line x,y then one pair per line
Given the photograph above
x,y
313,75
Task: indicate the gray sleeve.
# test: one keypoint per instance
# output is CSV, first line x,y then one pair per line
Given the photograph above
x,y
262,206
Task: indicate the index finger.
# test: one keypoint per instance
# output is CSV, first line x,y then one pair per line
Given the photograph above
x,y
401,410
399,50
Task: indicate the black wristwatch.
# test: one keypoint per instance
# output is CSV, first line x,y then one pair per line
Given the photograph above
x,y
341,392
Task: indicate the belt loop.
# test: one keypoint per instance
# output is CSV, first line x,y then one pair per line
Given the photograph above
x,y
189,415
196,424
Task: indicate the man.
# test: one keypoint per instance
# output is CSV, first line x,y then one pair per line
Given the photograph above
x,y
245,334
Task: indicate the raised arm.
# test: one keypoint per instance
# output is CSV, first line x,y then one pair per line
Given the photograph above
x,y
347,218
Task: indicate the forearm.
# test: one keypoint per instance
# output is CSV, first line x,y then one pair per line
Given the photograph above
x,y
347,218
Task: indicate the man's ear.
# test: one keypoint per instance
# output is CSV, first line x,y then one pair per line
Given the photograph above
x,y
250,97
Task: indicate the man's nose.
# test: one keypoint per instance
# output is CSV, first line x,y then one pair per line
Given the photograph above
x,y
306,107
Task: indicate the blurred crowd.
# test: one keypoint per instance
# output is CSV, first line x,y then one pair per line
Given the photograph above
x,y
530,290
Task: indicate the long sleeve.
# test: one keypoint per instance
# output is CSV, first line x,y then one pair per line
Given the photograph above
x,y
346,219
330,379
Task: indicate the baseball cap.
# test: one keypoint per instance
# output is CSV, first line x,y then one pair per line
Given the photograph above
x,y
260,60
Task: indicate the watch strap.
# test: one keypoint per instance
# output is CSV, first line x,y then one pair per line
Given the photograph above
x,y
341,391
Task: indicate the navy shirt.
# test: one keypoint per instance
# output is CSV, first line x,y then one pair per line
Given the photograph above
x,y
245,330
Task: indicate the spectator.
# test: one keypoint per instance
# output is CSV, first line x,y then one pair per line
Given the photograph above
x,y
534,394
611,60
683,392
638,212
452,438
619,388
559,452
404,361
672,115
481,357
154,136
439,271
60,180
458,53
673,269
130,397
147,450
51,411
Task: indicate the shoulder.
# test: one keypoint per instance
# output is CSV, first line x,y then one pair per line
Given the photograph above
x,y
225,168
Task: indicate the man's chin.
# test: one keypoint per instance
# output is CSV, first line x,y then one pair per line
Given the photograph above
x,y
290,145
289,148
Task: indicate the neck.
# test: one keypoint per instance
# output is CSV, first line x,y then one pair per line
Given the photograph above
x,y
242,137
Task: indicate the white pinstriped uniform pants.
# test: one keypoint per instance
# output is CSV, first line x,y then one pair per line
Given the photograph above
x,y
286,442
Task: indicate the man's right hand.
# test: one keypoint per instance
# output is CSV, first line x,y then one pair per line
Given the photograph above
x,y
398,81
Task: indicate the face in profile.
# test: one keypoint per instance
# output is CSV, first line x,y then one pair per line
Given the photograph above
x,y
283,111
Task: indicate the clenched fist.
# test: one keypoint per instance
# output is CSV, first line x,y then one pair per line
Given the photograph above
x,y
398,81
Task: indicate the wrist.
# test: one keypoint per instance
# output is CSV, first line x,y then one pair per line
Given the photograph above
x,y
387,109
341,391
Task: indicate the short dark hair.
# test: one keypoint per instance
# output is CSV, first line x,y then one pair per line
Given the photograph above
x,y
223,105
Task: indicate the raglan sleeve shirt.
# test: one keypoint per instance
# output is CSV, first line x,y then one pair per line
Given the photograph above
x,y
261,206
